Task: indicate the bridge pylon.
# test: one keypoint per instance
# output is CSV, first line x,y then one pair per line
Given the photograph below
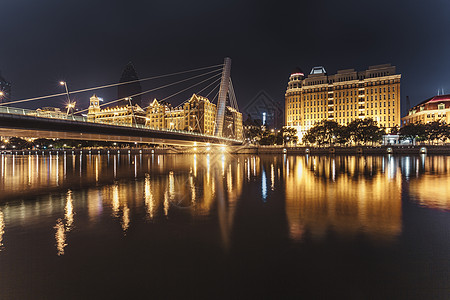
x,y
222,100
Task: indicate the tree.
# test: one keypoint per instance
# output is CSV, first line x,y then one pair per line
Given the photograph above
x,y
18,143
342,135
434,131
252,129
394,130
362,131
412,131
268,138
288,134
324,133
446,132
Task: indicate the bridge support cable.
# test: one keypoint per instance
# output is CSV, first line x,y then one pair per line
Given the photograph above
x,y
155,89
132,111
233,100
210,92
206,87
221,102
188,88
215,97
111,85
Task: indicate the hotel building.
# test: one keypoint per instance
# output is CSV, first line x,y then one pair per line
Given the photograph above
x,y
343,97
119,115
197,114
433,109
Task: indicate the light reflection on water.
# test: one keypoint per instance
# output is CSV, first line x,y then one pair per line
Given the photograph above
x,y
2,229
347,195
349,202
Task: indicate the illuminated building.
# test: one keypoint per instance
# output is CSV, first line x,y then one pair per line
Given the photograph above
x,y
232,126
119,115
130,89
5,89
436,108
343,97
196,114
51,112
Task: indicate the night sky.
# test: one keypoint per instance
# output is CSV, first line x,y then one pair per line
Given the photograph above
x,y
88,43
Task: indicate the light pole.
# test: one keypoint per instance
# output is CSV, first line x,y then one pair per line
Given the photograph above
x,y
69,104
67,90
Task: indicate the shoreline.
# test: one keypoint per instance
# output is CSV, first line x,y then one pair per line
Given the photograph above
x,y
256,150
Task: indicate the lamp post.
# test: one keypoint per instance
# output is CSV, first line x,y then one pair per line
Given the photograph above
x,y
69,105
67,90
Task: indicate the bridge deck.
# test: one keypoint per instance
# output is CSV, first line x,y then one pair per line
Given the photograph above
x,y
25,125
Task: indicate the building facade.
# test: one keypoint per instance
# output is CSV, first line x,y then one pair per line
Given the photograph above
x,y
197,114
119,115
343,97
232,126
433,109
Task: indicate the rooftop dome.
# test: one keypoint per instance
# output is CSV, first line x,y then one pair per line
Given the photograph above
x,y
297,71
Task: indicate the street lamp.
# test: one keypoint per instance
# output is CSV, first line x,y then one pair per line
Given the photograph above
x,y
67,90
69,105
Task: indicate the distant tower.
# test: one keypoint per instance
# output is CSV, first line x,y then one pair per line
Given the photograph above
x,y
5,89
408,105
127,90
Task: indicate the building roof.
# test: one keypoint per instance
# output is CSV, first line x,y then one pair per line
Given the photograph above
x,y
318,70
298,71
440,98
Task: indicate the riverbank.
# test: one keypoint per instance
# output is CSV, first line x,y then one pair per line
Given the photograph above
x,y
274,150
354,150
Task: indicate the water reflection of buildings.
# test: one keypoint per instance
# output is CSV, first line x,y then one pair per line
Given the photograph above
x,y
198,186
429,186
2,229
345,195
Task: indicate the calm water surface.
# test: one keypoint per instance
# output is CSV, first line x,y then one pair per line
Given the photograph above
x,y
224,226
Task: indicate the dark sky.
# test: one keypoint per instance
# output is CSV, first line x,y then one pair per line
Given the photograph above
x,y
88,43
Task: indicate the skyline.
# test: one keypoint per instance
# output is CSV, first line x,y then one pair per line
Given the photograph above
x,y
81,43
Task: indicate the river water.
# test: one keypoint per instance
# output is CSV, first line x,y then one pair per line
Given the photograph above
x,y
224,226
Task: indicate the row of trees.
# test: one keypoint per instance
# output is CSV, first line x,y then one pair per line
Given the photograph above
x,y
261,136
366,131
359,131
433,132
19,143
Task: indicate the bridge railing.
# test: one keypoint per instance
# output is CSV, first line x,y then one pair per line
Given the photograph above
x,y
63,116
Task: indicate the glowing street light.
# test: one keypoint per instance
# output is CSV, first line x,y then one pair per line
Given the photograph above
x,y
70,106
67,92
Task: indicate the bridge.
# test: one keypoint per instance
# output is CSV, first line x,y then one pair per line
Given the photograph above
x,y
20,122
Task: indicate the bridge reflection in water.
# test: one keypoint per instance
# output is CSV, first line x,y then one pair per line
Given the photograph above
x,y
347,196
